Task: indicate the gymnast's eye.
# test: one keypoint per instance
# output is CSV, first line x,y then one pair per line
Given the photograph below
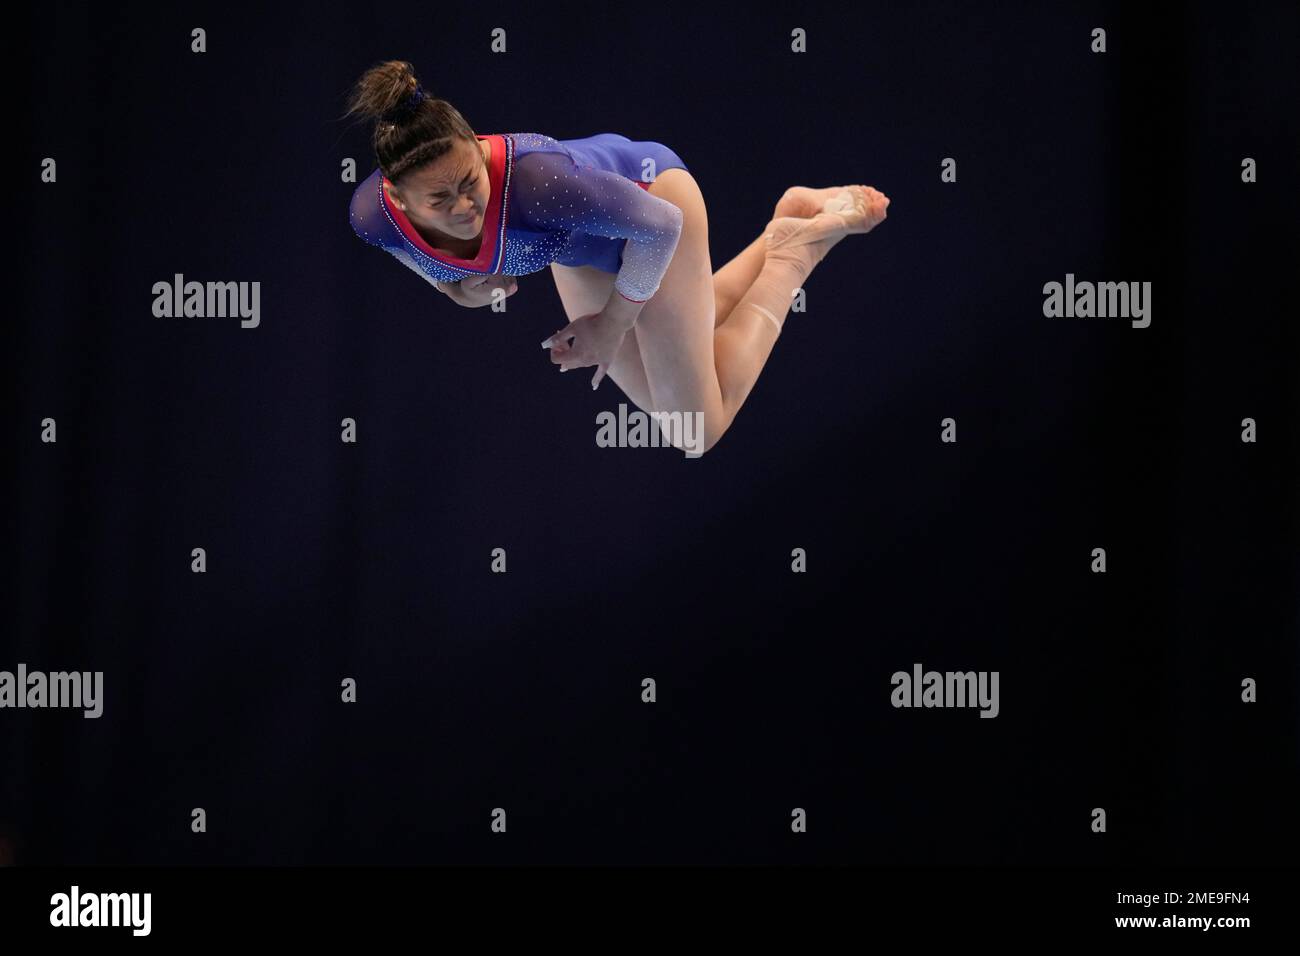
x,y
465,186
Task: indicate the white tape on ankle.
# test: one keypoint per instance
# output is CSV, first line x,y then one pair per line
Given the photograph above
x,y
775,321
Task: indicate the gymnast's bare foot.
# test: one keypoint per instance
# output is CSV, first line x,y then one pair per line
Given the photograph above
x,y
802,202
844,210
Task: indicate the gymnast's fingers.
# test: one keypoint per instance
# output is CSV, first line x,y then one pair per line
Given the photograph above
x,y
575,358
561,337
555,344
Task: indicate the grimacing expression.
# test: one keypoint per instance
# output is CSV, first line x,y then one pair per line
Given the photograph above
x,y
449,194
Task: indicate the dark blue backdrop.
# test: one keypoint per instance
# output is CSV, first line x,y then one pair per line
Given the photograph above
x,y
521,690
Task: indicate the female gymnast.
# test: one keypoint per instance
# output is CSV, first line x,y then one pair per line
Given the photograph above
x,y
630,257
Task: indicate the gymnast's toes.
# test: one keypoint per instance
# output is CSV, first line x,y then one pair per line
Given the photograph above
x,y
861,208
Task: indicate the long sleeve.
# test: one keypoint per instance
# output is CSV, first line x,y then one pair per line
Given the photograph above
x,y
555,193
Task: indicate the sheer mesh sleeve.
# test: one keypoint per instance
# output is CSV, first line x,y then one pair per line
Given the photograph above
x,y
555,193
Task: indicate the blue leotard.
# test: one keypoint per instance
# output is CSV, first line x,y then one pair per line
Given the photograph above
x,y
575,202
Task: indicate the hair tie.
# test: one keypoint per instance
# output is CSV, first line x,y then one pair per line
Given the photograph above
x,y
407,106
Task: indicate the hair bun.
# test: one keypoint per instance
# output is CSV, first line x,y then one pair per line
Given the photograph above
x,y
406,107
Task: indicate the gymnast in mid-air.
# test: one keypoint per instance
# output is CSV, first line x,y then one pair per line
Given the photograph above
x,y
625,232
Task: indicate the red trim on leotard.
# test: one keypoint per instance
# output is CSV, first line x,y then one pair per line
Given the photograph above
x,y
491,215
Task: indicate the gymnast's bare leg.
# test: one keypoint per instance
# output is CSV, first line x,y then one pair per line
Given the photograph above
x,y
702,341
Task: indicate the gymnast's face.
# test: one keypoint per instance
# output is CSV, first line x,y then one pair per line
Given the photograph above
x,y
449,194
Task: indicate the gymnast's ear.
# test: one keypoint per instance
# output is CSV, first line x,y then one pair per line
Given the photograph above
x,y
395,196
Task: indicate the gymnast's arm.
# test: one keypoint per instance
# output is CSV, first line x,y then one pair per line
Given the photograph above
x,y
476,290
472,292
555,193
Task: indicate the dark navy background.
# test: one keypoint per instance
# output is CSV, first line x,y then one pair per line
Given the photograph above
x,y
521,690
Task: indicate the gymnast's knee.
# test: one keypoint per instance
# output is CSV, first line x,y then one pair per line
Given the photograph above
x,y
688,432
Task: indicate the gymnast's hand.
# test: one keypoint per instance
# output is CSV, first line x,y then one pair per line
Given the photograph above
x,y
475,291
596,339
